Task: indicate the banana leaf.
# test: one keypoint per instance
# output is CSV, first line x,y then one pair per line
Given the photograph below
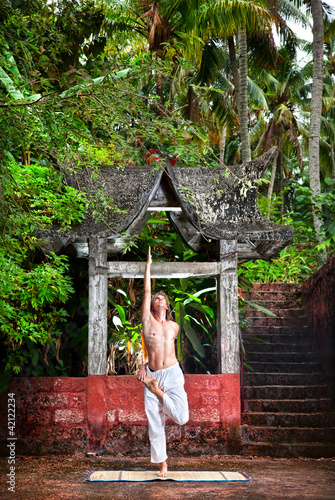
x,y
193,337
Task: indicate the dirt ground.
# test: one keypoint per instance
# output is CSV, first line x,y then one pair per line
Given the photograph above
x,y
63,477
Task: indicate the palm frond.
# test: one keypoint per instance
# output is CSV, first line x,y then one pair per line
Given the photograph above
x,y
256,94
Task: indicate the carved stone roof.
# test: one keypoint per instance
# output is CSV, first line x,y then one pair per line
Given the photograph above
x,y
210,202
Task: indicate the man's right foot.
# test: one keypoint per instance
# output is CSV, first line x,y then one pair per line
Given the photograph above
x,y
152,385
164,470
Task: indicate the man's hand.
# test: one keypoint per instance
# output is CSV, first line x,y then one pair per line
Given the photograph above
x,y
149,258
142,372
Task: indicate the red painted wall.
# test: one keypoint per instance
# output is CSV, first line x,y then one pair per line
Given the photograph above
x,y
318,294
106,414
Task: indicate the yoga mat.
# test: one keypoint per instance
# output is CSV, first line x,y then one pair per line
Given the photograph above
x,y
122,475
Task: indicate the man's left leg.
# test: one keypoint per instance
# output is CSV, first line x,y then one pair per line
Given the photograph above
x,y
175,404
172,394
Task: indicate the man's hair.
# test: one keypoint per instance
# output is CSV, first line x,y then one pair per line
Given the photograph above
x,y
168,311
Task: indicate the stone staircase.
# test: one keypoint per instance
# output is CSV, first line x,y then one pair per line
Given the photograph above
x,y
288,409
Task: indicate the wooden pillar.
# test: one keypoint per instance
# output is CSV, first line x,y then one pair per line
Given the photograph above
x,y
227,309
97,301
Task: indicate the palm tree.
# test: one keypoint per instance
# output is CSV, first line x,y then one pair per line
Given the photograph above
x,y
283,127
230,19
316,103
162,24
233,19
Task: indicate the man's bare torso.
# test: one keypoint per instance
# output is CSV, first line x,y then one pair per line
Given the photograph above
x,y
159,338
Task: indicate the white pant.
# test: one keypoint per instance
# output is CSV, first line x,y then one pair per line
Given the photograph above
x,y
175,405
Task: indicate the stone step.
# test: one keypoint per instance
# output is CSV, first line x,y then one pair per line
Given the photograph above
x,y
289,450
317,405
274,338
256,322
288,411
282,367
277,347
285,392
288,357
290,303
324,419
276,287
276,296
252,312
279,330
287,434
295,379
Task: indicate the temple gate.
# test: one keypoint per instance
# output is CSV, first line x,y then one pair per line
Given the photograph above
x,y
212,211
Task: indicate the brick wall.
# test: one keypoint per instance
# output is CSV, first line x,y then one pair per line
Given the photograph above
x,y
106,414
51,415
318,295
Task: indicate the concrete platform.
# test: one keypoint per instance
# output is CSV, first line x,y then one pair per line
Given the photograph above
x,y
62,477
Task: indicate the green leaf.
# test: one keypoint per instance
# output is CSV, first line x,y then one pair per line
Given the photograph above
x,y
205,290
184,283
203,308
260,308
329,181
200,363
179,317
193,337
121,312
121,74
244,282
99,79
10,86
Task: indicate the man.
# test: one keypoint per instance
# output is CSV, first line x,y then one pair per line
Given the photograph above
x,y
163,379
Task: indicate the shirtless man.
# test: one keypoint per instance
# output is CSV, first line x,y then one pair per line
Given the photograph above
x,y
163,379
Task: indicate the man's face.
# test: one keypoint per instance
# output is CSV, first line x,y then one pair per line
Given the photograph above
x,y
160,302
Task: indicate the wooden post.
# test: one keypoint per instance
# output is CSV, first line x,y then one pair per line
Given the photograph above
x,y
227,309
97,301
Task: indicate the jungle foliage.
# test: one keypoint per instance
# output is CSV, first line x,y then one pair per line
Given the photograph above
x,y
83,82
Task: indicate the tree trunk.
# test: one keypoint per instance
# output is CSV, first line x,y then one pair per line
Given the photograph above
x,y
243,98
281,169
234,67
223,144
316,103
272,181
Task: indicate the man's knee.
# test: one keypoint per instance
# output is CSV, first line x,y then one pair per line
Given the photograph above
x,y
182,419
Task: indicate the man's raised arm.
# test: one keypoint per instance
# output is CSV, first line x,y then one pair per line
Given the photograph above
x,y
147,294
146,309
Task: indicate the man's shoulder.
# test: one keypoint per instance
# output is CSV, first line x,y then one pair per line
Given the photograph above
x,y
174,324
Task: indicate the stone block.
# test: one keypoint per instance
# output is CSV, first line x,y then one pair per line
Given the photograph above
x,y
51,400
69,416
204,415
173,432
70,384
201,382
112,416
129,415
77,400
